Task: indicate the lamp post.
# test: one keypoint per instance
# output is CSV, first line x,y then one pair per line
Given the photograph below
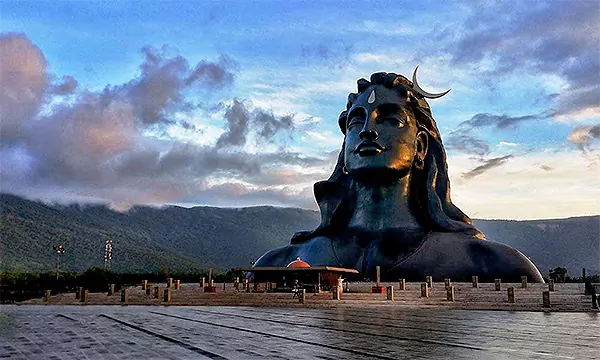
x,y
108,255
60,250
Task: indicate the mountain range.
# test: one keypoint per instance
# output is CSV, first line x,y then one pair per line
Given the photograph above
x,y
145,239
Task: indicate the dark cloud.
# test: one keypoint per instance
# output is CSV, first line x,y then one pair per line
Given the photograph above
x,y
544,37
497,121
466,143
66,87
487,165
240,120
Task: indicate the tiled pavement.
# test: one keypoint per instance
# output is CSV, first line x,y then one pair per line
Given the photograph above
x,y
219,332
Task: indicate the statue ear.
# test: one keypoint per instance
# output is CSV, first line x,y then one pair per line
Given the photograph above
x,y
422,143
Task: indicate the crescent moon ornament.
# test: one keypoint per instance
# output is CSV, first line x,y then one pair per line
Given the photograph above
x,y
418,89
371,98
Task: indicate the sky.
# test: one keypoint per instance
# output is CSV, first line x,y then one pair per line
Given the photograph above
x,y
235,103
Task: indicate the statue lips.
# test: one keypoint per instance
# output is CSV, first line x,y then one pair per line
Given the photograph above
x,y
369,148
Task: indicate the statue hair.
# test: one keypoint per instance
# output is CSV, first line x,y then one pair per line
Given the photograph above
x,y
429,188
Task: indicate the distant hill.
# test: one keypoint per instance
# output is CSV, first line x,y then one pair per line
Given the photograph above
x,y
146,238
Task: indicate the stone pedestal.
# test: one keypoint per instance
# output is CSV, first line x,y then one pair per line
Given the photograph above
x,y
167,296
450,293
177,284
546,299
111,289
550,285
497,284
424,290
429,281
389,295
447,283
402,284
79,293
524,282
144,284
511,294
124,296
475,281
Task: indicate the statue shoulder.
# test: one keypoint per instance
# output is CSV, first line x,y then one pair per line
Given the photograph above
x,y
316,251
277,257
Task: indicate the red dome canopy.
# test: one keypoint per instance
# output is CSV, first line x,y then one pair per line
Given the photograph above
x,y
298,263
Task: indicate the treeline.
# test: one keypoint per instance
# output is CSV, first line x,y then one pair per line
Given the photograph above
x,y
21,286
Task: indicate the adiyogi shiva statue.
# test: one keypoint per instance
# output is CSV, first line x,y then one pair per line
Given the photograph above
x,y
388,203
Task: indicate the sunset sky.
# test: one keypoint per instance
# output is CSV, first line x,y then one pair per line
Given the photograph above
x,y
235,103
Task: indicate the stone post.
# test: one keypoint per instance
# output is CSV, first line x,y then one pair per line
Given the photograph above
x,y
498,283
246,285
524,282
157,292
169,282
203,282
551,285
79,293
212,283
167,296
47,295
84,297
546,299
148,290
177,284
511,294
475,281
390,293
424,290
302,297
450,293
111,289
144,284
378,270
447,283
209,275
402,284
429,281
124,296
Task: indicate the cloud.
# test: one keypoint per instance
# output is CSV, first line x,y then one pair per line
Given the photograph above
x,y
497,121
334,54
66,87
103,145
23,84
540,38
488,164
584,137
466,144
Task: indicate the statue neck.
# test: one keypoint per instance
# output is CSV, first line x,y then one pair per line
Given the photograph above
x,y
381,207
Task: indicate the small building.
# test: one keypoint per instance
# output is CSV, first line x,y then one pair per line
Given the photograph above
x,y
308,277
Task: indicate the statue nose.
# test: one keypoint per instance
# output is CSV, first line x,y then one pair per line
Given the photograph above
x,y
368,134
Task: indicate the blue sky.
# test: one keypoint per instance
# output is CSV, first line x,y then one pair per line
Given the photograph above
x,y
233,103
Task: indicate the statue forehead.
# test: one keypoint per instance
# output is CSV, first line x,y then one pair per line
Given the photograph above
x,y
377,95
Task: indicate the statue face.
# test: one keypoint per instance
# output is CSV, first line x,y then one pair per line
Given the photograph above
x,y
381,134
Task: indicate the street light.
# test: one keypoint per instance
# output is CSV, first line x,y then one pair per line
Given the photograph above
x,y
60,250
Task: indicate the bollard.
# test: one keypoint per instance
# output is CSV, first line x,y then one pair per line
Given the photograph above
x,y
475,281
524,282
157,292
511,294
302,297
224,283
203,282
402,284
167,296
429,281
124,296
84,297
447,283
79,293
450,293
498,283
378,271
177,284
424,290
546,299
551,285
389,293
47,295
144,284
111,289
210,276
169,282
148,290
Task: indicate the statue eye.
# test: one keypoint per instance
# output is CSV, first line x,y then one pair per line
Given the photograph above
x,y
395,119
355,121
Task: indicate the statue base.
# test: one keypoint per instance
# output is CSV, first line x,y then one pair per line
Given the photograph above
x,y
378,290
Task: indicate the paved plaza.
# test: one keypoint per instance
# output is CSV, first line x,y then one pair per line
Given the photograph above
x,y
220,332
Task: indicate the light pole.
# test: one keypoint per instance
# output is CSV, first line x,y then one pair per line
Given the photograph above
x,y
108,255
60,250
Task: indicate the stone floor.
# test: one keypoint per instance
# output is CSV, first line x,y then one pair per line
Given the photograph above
x,y
222,332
